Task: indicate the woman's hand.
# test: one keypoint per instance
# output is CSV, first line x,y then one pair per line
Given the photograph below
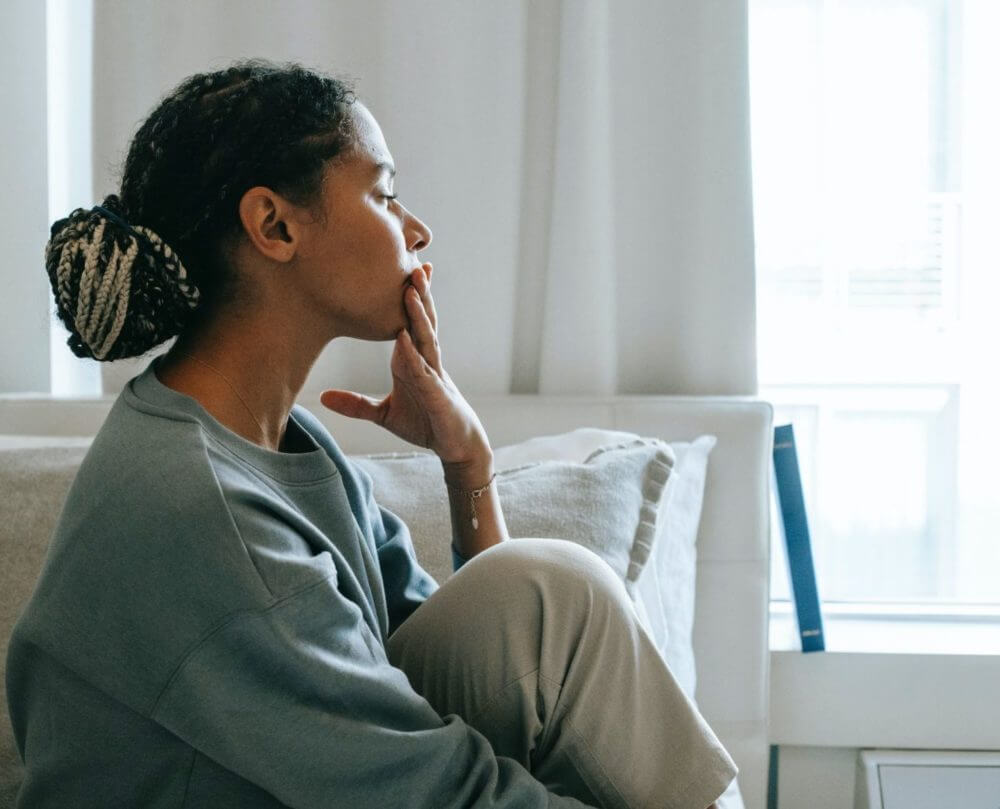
x,y
424,406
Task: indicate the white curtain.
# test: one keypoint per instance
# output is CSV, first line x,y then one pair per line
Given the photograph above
x,y
584,165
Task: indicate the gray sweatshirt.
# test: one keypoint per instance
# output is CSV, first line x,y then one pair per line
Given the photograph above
x,y
208,630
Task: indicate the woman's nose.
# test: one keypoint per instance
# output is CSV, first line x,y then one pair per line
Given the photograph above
x,y
419,234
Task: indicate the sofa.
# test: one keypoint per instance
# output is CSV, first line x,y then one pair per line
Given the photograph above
x,y
692,475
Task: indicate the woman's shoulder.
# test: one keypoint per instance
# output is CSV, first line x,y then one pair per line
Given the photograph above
x,y
141,476
133,445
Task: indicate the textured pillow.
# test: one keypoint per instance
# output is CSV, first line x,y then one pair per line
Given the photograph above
x,y
667,589
608,503
575,446
411,486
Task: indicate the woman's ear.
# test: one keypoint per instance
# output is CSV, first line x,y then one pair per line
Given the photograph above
x,y
268,226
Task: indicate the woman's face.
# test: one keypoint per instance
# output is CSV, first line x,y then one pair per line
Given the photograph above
x,y
357,264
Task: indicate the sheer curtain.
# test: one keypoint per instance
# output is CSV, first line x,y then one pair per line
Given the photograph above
x,y
584,167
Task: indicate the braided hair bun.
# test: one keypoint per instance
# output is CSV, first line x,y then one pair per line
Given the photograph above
x,y
122,288
119,289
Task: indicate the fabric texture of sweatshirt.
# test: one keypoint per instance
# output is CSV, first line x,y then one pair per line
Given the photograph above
x,y
209,630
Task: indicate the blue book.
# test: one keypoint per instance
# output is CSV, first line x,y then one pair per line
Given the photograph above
x,y
795,528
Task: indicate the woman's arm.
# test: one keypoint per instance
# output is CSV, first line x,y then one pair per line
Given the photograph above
x,y
470,538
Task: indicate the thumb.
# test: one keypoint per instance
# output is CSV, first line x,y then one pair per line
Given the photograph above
x,y
350,404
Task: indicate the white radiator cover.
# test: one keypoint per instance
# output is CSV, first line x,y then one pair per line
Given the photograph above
x,y
927,779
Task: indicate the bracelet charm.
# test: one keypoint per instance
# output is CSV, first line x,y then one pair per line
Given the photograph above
x,y
474,494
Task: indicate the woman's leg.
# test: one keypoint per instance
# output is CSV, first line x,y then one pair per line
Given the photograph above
x,y
536,644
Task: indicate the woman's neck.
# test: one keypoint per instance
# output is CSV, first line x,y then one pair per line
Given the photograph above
x,y
248,386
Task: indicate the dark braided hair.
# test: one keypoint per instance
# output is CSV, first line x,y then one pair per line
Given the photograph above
x,y
121,289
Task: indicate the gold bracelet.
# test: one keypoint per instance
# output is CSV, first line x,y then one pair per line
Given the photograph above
x,y
474,494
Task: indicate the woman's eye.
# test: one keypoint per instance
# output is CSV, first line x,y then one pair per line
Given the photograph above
x,y
389,196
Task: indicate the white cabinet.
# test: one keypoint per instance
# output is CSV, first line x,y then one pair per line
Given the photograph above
x,y
927,779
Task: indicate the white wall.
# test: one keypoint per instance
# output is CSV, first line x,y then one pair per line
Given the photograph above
x,y
816,777
24,327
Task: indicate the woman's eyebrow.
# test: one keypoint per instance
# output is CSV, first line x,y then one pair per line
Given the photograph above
x,y
384,166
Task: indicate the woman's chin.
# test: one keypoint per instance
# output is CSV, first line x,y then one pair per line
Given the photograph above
x,y
390,332
379,329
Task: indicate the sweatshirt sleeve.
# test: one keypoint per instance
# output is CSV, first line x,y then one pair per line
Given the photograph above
x,y
299,699
457,560
407,584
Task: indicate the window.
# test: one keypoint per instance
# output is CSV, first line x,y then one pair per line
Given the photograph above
x,y
875,275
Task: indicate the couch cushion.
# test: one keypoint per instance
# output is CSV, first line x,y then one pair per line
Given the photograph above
x,y
35,476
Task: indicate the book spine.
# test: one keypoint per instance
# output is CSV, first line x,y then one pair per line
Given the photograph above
x,y
795,528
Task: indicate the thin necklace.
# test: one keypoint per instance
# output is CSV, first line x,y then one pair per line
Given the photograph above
x,y
225,379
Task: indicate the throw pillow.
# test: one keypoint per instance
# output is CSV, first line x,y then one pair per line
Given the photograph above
x,y
608,503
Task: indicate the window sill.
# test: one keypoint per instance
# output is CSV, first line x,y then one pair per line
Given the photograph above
x,y
889,678
894,629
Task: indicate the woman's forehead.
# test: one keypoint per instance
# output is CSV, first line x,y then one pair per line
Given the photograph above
x,y
363,166
368,134
367,153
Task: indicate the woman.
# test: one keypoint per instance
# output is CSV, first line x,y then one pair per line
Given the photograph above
x,y
226,618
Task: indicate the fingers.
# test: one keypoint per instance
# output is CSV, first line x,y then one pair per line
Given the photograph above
x,y
422,327
416,363
353,405
422,283
411,369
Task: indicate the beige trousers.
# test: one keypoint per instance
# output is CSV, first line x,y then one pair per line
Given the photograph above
x,y
536,644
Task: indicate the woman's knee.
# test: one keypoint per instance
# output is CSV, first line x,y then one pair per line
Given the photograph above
x,y
562,563
497,607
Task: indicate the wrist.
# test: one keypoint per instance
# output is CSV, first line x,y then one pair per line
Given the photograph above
x,y
470,473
